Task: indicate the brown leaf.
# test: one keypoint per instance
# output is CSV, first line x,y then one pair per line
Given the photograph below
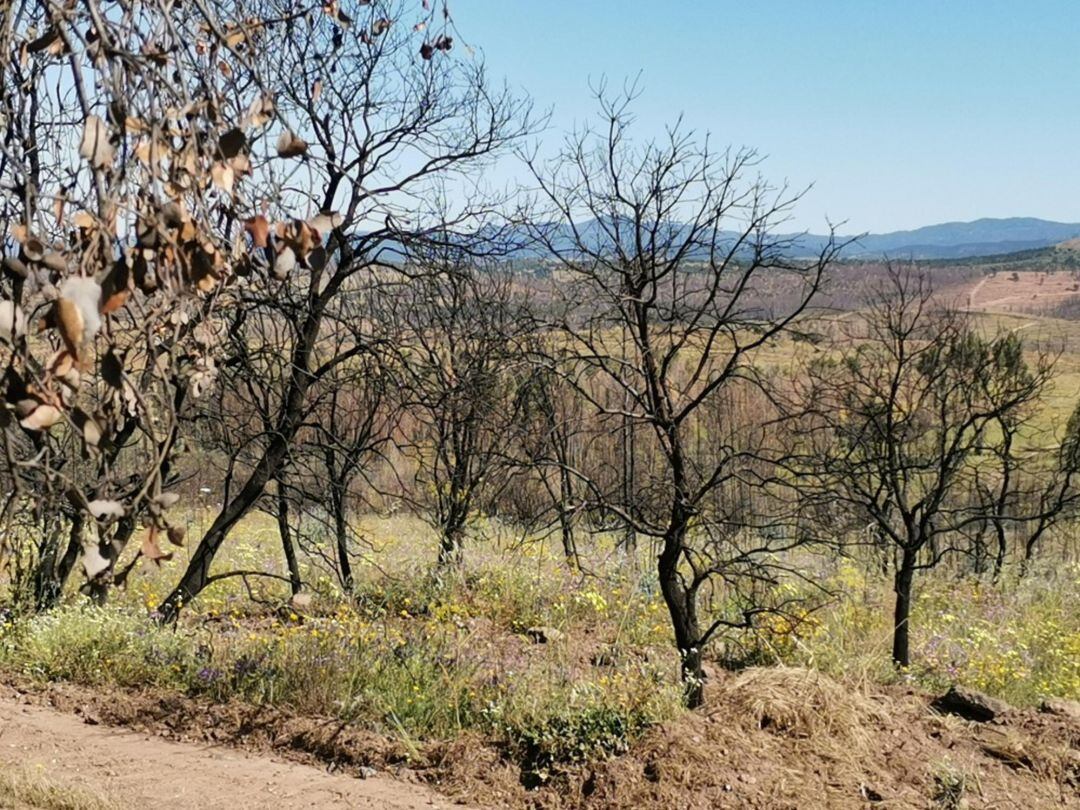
x,y
106,509
15,267
291,145
150,548
380,26
112,369
232,143
260,112
70,324
95,146
316,90
166,499
223,176
115,289
259,229
42,417
176,535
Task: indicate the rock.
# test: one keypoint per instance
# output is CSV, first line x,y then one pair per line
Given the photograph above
x,y
543,635
869,794
300,601
366,772
1061,707
971,705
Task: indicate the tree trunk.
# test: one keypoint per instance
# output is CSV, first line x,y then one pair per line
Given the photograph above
x,y
288,423
905,575
295,584
341,532
450,547
682,607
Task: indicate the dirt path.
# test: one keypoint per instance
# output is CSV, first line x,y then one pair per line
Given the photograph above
x,y
137,770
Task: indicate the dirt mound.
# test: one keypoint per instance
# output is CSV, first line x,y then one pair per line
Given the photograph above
x,y
767,738
792,738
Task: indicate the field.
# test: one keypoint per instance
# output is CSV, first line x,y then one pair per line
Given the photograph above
x,y
520,681
510,685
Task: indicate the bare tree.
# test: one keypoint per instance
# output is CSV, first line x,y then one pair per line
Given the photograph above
x,y
382,115
460,360
671,245
913,413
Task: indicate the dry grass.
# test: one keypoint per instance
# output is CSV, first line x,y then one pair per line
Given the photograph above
x,y
27,789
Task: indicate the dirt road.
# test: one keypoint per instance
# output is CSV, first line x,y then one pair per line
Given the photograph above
x,y
135,770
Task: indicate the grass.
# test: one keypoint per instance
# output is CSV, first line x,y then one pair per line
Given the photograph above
x,y
423,658
27,789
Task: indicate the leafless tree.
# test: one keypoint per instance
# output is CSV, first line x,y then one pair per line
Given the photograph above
x,y
460,361
914,412
671,246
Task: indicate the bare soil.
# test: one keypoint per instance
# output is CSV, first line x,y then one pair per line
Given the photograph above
x,y
768,738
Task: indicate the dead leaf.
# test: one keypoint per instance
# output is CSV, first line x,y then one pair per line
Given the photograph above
x,y
166,499
150,549
232,143
259,228
291,145
223,177
12,322
70,323
42,417
176,535
106,509
95,146
284,263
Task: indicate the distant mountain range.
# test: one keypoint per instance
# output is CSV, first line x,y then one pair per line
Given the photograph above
x,y
954,240
949,240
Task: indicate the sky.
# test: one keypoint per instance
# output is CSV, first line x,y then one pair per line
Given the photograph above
x,y
900,113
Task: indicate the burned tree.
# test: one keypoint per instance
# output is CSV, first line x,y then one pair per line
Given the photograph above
x,y
459,361
131,134
379,119
916,411
671,244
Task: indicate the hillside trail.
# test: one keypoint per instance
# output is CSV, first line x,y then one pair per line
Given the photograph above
x,y
128,769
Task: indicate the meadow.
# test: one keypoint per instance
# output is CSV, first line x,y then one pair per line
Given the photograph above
x,y
559,666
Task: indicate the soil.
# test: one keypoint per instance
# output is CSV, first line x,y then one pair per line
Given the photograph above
x,y
770,738
132,769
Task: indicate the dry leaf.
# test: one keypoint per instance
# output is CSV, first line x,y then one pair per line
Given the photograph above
x,y
12,322
232,143
285,263
291,145
259,229
176,535
106,509
166,499
70,323
95,146
150,548
42,417
223,177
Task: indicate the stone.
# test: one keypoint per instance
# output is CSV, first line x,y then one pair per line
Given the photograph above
x,y
971,705
543,635
1061,707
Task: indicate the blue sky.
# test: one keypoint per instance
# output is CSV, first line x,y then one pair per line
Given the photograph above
x,y
900,113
